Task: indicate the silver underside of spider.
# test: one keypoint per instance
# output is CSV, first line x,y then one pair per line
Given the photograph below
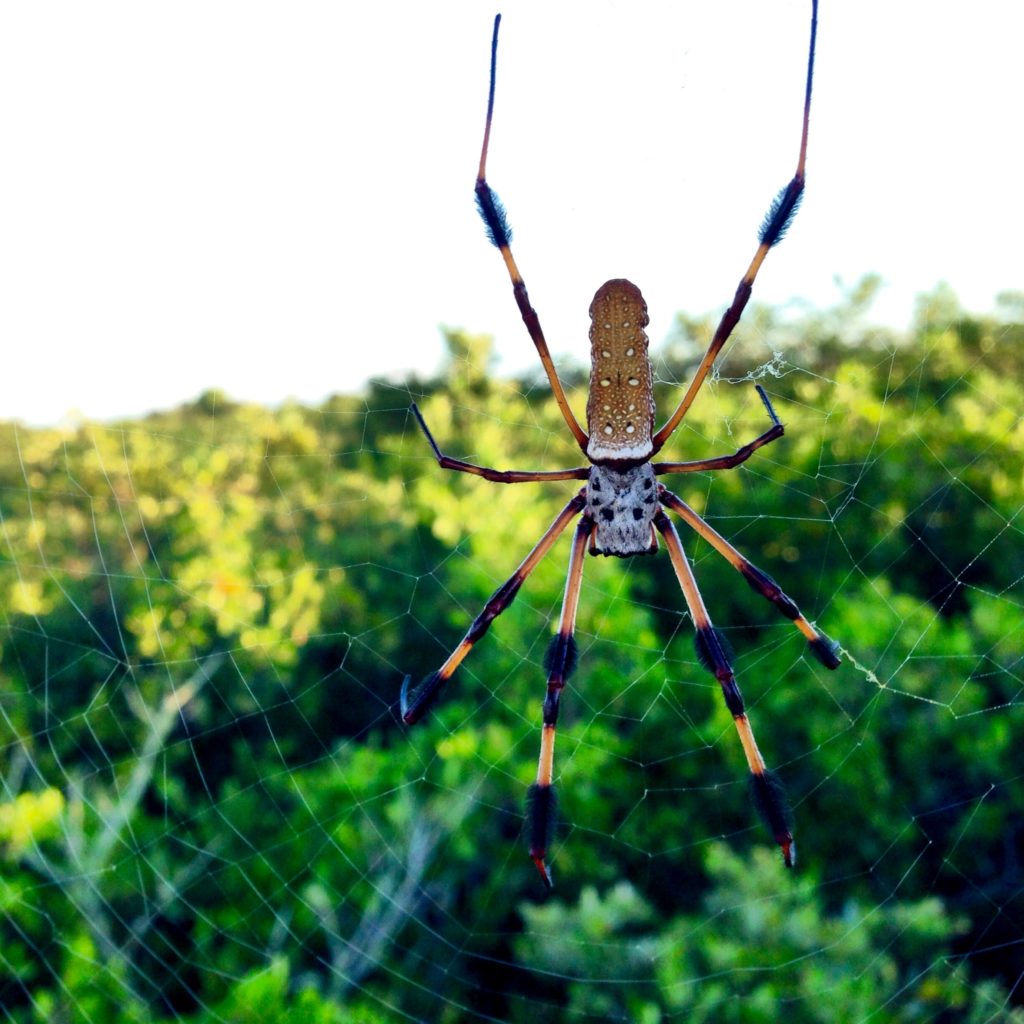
x,y
622,504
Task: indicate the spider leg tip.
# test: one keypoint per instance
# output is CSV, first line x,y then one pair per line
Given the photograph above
x,y
545,871
407,712
789,853
414,703
826,650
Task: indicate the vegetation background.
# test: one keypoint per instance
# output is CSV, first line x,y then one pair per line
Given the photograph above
x,y
211,813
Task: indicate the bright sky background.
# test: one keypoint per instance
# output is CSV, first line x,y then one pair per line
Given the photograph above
x,y
276,199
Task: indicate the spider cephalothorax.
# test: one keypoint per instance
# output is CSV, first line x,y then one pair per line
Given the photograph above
x,y
622,508
622,503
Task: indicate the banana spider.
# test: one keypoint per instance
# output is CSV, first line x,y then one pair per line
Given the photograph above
x,y
621,509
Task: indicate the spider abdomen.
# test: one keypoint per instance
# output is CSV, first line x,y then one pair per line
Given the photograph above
x,y
620,408
623,504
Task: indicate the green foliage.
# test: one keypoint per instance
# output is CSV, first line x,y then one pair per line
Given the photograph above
x,y
758,942
210,812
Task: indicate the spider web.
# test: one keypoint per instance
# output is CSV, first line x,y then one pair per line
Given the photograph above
x,y
211,813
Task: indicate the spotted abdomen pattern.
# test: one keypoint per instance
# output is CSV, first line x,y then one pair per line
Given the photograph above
x,y
620,409
623,505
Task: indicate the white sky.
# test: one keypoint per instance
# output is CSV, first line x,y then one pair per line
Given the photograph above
x,y
276,199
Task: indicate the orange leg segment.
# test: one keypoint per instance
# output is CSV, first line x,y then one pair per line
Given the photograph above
x,y
561,660
769,796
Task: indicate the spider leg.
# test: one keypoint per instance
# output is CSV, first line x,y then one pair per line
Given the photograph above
x,y
500,234
775,431
769,796
776,221
498,476
415,703
824,649
560,661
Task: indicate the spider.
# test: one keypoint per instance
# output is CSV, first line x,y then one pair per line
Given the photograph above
x,y
622,507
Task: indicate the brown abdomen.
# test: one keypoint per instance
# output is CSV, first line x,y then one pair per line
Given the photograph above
x,y
620,408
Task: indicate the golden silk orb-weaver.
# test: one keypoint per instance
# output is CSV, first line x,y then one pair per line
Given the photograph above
x,y
622,507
